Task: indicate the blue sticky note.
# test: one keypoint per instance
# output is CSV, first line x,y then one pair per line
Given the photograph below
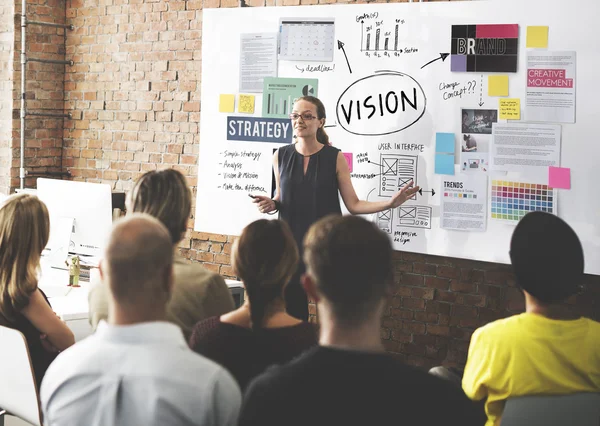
x,y
444,142
444,164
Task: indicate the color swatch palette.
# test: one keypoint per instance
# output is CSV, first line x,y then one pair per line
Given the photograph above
x,y
513,200
459,195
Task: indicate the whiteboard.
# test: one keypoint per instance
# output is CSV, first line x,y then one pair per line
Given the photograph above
x,y
411,34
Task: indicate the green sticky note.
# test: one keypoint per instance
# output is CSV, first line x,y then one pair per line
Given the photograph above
x,y
226,103
498,85
537,37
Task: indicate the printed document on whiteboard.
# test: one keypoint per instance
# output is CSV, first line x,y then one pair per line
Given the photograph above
x,y
464,202
517,147
550,87
258,59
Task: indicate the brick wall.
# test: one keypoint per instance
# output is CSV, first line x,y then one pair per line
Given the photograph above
x,y
44,88
134,93
7,12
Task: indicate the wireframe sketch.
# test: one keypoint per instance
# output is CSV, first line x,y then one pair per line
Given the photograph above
x,y
384,220
414,217
397,170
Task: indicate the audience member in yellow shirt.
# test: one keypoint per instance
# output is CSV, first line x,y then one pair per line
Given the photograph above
x,y
546,350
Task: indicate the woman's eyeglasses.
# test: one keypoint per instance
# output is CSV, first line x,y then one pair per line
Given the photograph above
x,y
305,116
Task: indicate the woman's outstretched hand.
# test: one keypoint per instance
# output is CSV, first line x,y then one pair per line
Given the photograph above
x,y
264,203
404,194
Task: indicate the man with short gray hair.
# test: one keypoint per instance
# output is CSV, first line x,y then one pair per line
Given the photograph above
x,y
137,369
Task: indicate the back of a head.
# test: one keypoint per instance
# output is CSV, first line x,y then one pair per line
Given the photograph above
x,y
24,232
265,257
547,257
165,195
138,261
351,261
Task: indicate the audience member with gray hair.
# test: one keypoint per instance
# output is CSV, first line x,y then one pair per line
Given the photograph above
x,y
137,368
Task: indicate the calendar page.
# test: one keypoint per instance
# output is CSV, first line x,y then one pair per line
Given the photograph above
x,y
306,39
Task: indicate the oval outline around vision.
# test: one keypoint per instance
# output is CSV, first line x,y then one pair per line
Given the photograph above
x,y
377,74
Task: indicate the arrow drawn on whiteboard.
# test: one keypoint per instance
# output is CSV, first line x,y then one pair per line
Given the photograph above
x,y
341,47
431,190
443,57
481,92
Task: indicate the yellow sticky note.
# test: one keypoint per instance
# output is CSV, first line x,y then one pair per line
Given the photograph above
x,y
510,109
537,37
498,85
246,104
226,103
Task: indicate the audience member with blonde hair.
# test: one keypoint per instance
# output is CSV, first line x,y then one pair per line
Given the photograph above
x,y
137,369
260,333
349,379
24,232
197,293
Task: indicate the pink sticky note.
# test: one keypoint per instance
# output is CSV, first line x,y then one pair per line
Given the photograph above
x,y
559,177
348,157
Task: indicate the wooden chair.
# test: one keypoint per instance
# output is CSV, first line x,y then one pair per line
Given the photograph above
x,y
18,390
580,409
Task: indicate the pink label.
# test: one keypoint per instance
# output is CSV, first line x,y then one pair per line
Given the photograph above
x,y
548,78
348,157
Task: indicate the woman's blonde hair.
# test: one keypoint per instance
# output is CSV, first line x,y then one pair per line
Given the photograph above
x,y
265,257
24,232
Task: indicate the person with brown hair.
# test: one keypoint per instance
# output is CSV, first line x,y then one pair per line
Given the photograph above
x,y
24,232
198,293
260,333
349,379
309,177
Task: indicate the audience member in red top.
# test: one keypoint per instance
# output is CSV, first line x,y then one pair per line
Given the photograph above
x,y
260,333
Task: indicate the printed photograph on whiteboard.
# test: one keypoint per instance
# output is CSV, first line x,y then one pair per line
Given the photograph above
x,y
517,147
279,94
309,39
478,120
475,152
550,94
258,59
475,140
510,200
464,203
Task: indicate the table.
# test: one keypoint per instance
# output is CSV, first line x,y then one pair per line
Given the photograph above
x,y
72,305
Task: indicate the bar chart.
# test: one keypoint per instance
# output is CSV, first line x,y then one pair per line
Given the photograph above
x,y
375,37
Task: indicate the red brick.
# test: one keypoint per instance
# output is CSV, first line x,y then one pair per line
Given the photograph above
x,y
403,266
205,257
413,348
424,269
211,267
445,296
413,257
463,287
216,247
412,280
413,327
402,314
448,272
460,311
499,276
435,282
414,304
399,336
223,259
423,293
438,330
424,339
426,317
404,291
